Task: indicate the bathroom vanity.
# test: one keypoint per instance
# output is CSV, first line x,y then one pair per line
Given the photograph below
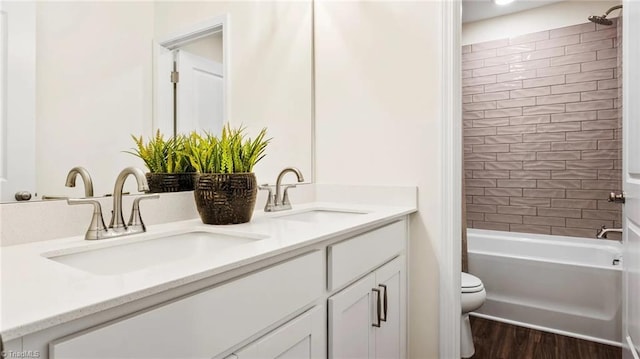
x,y
323,280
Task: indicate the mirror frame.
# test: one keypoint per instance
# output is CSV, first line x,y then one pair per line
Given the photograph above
x,y
167,124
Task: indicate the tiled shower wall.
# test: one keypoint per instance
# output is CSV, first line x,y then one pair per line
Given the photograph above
x,y
542,131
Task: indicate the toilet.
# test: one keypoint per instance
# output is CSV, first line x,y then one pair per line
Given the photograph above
x,y
472,298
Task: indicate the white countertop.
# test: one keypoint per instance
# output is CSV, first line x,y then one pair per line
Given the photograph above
x,y
39,293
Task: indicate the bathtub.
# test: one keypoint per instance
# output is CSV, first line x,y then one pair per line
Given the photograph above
x,y
565,285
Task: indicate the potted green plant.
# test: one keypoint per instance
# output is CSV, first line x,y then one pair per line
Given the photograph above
x,y
169,168
226,187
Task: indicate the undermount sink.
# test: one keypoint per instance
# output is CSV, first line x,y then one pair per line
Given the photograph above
x,y
321,215
129,257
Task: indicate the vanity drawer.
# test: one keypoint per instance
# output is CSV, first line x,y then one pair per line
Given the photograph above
x,y
205,324
349,259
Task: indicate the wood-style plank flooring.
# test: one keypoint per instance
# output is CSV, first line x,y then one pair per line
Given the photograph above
x,y
496,340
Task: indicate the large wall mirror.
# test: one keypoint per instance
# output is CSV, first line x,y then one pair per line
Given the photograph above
x,y
97,80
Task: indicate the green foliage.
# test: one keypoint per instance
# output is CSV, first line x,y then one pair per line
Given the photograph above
x,y
232,152
162,156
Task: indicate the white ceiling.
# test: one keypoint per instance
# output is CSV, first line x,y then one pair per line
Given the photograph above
x,y
474,10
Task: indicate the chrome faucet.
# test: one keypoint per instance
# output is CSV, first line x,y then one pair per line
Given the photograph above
x,y
97,228
602,232
277,202
86,180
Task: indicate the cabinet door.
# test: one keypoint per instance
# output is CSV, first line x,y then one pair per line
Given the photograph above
x,y
390,337
302,337
351,319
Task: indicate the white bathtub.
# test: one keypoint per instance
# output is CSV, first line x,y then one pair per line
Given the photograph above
x,y
563,285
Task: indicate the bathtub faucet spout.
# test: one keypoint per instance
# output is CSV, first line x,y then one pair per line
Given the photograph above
x,y
602,232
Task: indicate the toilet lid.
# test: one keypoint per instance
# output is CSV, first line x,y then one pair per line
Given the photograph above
x,y
470,283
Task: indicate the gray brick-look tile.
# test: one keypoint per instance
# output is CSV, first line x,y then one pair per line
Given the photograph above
x,y
530,201
590,76
574,203
558,70
542,131
554,99
531,92
519,102
475,106
490,70
506,130
544,193
535,174
574,116
574,87
590,135
529,228
589,105
598,65
529,120
543,165
521,210
573,59
575,174
491,148
491,200
573,145
589,46
599,95
560,212
503,112
598,35
491,96
559,127
516,165
504,192
516,183
529,65
558,155
491,226
503,218
590,164
543,81
555,183
516,156
505,86
490,122
526,147
503,139
548,221
600,125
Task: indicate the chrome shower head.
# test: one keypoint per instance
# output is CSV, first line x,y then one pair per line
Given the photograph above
x,y
602,20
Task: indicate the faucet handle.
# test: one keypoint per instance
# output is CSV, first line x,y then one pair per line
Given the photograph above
x,y
97,228
285,196
135,220
271,202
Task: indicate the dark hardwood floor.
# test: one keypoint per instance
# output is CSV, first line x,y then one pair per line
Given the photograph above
x,y
495,340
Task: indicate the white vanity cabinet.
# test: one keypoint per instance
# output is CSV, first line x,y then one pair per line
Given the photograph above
x,y
321,300
302,338
367,319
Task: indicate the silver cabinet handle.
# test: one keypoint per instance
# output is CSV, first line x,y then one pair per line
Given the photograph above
x,y
616,197
378,314
384,318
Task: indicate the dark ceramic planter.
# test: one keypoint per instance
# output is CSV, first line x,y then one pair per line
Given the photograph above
x,y
170,182
225,198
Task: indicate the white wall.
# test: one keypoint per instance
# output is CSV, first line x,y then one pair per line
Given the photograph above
x,y
378,122
93,89
270,72
548,17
